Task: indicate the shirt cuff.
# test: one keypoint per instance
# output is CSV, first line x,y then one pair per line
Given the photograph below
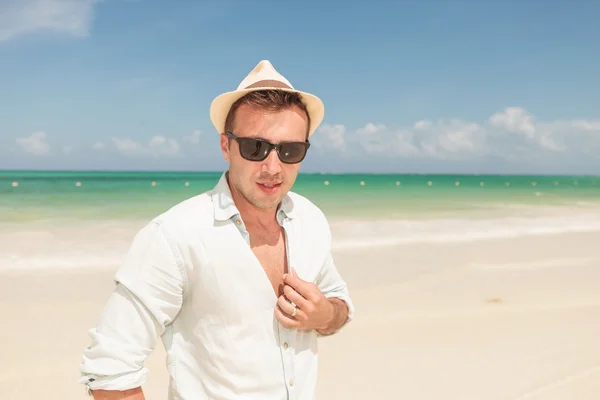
x,y
130,380
346,299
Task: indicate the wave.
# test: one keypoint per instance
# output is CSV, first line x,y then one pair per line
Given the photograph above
x,y
66,261
360,234
104,244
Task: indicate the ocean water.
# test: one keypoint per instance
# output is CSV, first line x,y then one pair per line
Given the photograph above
x,y
35,196
79,219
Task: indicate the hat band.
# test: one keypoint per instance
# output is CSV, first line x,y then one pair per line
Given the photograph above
x,y
269,83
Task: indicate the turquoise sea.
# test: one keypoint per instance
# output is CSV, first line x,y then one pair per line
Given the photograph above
x,y
35,195
88,219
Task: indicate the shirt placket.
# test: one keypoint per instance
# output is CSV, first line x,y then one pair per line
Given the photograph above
x,y
287,336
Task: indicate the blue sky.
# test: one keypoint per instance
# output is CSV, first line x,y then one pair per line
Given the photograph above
x,y
423,86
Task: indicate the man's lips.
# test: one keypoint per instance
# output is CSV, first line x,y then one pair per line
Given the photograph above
x,y
269,183
269,187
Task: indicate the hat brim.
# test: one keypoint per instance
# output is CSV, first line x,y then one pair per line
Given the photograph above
x,y
220,106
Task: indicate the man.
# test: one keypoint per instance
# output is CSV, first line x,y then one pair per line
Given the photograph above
x,y
239,281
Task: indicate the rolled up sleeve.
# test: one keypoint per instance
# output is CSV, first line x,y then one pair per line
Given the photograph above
x,y
147,297
331,283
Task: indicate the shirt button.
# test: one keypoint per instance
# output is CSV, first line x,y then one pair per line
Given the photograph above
x,y
238,221
285,345
291,382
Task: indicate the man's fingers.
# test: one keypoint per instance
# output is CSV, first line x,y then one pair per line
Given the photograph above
x,y
285,320
288,308
285,305
306,289
296,297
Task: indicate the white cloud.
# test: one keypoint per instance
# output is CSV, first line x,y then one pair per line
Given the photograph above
x,y
512,134
67,149
330,137
21,17
157,146
452,139
516,120
35,144
442,139
127,145
98,146
586,125
422,124
375,138
193,138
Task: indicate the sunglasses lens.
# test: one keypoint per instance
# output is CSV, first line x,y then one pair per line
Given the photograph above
x,y
257,150
292,153
252,149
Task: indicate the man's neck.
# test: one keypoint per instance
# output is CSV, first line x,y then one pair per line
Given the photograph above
x,y
251,215
255,217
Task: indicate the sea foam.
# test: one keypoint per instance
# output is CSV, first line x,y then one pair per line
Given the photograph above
x,y
348,234
104,245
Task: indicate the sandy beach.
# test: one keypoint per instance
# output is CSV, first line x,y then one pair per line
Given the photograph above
x,y
514,318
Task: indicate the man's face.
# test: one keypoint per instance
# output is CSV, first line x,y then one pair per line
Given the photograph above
x,y
252,180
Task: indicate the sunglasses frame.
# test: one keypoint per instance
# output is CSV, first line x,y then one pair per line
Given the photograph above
x,y
272,146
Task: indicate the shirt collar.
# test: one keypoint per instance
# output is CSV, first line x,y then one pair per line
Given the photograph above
x,y
224,207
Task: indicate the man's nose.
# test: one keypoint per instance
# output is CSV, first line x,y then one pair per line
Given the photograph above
x,y
272,164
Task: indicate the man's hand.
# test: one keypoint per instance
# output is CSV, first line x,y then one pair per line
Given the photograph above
x,y
313,309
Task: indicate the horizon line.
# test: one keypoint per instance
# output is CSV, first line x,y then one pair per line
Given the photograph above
x,y
300,173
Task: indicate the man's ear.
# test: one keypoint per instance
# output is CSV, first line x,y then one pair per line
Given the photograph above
x,y
224,141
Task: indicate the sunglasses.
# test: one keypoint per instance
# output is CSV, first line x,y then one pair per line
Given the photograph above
x,y
259,149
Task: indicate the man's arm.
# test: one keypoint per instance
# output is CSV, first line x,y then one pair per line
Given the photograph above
x,y
340,317
335,289
148,296
131,394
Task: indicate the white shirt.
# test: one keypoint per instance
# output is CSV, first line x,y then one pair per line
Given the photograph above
x,y
191,278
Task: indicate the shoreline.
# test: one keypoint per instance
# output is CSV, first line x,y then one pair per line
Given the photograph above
x,y
40,249
384,173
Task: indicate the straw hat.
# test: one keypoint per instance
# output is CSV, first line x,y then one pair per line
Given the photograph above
x,y
263,76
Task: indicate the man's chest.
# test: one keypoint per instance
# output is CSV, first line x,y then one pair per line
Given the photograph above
x,y
232,273
270,252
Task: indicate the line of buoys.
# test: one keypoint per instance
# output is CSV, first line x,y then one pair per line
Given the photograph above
x,y
362,183
458,183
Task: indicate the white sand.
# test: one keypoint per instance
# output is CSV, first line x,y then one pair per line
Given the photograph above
x,y
485,320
